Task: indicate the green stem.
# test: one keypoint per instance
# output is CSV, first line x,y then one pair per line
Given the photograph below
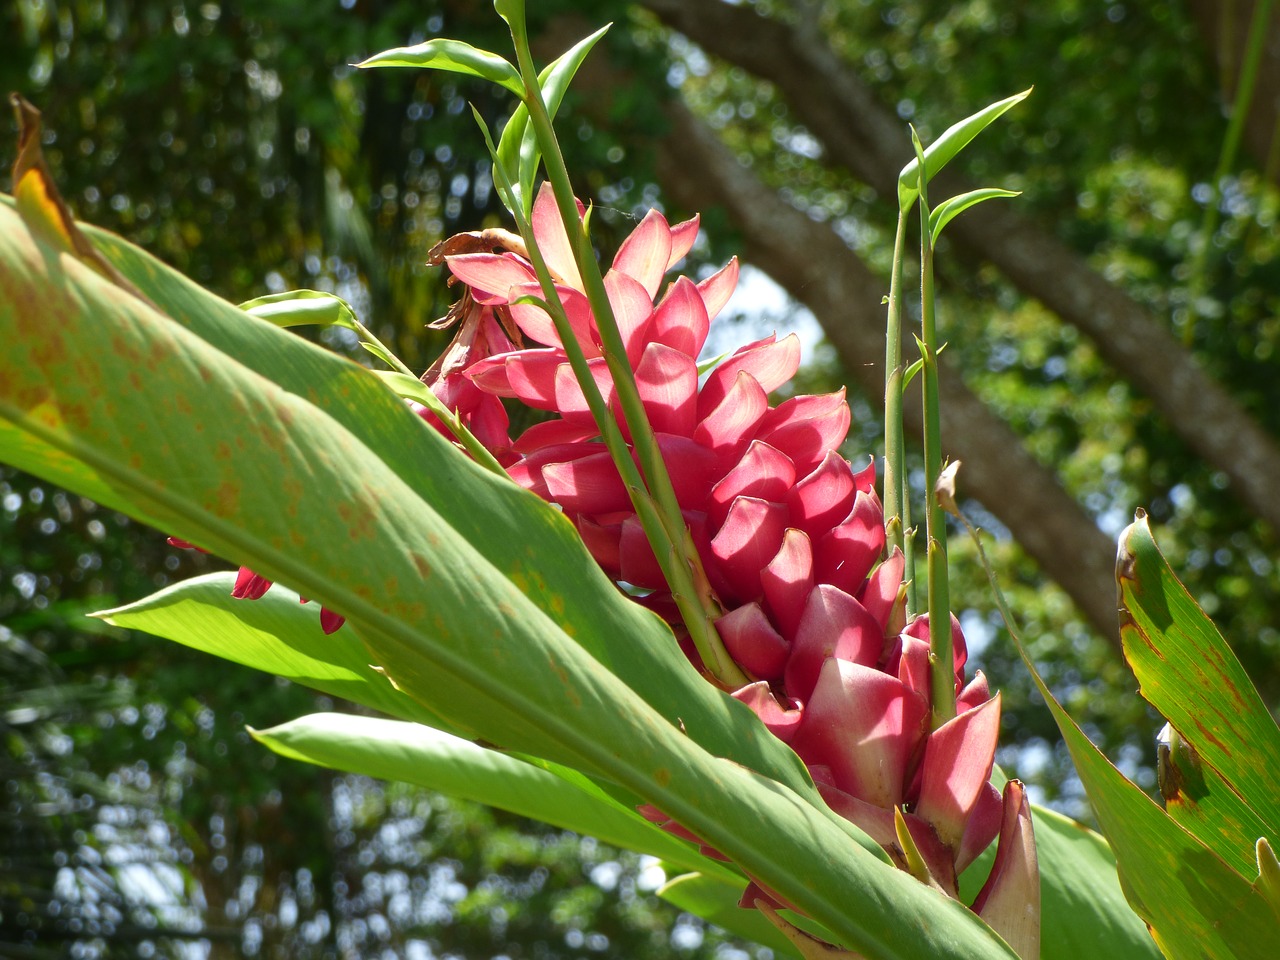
x,y
897,505
941,667
652,494
1226,160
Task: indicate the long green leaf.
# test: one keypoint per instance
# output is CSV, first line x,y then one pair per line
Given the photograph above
x,y
954,139
518,147
275,634
413,753
199,443
1186,670
453,56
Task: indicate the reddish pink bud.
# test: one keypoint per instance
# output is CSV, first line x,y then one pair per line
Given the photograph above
x,y
863,725
753,642
249,586
806,427
781,720
832,624
957,762
788,581
748,540
1010,899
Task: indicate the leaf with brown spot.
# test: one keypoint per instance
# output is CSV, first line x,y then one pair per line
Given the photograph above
x,y
41,205
1229,795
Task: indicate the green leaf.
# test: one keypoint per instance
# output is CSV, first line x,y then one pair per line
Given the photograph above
x,y
275,634
1230,796
1194,903
298,307
952,207
194,440
453,56
954,139
413,753
518,147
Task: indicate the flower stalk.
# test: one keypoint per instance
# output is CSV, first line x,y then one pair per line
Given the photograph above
x,y
652,491
939,595
897,505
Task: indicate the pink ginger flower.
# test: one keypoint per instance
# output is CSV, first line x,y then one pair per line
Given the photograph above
x,y
790,534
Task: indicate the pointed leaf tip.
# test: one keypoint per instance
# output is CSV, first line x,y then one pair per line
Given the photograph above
x,y
453,56
954,139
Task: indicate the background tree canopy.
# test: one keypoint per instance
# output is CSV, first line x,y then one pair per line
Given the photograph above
x,y
1111,339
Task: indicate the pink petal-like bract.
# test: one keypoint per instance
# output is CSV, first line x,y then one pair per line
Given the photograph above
x,y
749,538
771,363
639,565
570,400
753,642
863,725
680,320
683,235
832,625
805,428
531,375
693,468
782,721
824,497
1010,899
589,485
553,433
646,252
728,429
761,472
668,383
537,325
553,239
956,766
632,311
490,275
718,288
880,594
788,581
846,552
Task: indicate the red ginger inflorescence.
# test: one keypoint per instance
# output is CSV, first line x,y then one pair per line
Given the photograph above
x,y
791,536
